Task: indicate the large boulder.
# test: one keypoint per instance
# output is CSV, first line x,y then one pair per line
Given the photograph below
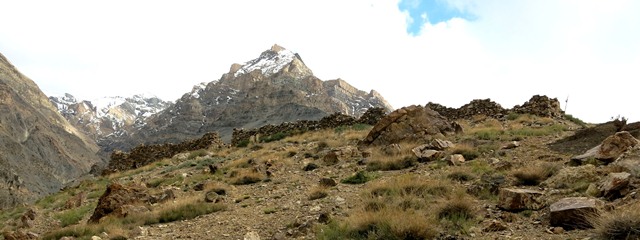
x,y
117,200
412,123
512,199
573,212
610,149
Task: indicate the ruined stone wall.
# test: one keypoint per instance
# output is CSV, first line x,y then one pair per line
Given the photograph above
x,y
142,154
371,117
542,106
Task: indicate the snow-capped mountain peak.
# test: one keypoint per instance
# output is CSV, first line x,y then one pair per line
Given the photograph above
x,y
269,62
102,117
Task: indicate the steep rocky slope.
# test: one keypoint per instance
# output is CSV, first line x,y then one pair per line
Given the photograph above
x,y
110,118
276,87
495,179
40,151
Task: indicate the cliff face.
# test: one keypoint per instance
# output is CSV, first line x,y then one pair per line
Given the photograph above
x,y
273,88
40,151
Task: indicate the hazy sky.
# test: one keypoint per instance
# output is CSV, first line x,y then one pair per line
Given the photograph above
x,y
412,52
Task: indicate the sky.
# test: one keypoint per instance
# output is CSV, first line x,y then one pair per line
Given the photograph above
x,y
411,51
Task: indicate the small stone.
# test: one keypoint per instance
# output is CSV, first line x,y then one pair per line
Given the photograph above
x,y
316,208
495,226
455,159
96,238
340,200
251,236
511,145
310,166
328,182
557,230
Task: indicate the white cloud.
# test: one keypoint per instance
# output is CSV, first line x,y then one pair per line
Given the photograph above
x,y
589,50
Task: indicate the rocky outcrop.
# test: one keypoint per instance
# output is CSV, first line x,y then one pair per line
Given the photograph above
x,y
146,154
610,149
585,139
40,151
117,199
542,106
274,88
475,107
241,136
413,123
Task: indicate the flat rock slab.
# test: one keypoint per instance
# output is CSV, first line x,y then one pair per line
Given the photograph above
x,y
513,199
573,212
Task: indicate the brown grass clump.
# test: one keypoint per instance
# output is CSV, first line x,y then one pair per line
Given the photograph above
x,y
246,176
379,161
532,176
467,151
621,224
318,193
384,224
407,185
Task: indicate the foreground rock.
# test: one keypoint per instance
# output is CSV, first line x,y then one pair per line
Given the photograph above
x,y
610,149
573,212
512,199
118,200
413,123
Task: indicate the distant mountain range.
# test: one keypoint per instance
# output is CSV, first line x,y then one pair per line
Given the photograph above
x,y
276,87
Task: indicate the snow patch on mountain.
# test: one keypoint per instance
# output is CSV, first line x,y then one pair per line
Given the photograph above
x,y
269,62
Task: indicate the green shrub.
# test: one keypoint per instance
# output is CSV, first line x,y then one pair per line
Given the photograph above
x,y
73,216
243,143
275,137
575,120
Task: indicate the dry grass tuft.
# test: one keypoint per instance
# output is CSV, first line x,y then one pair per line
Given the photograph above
x,y
467,151
246,176
620,224
384,224
379,161
318,193
532,176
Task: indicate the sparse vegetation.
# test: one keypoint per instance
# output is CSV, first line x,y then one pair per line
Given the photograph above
x,y
384,224
467,151
186,211
620,224
575,120
246,177
73,216
359,178
275,137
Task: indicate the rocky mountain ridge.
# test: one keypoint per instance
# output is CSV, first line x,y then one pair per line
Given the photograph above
x,y
40,152
108,118
274,88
